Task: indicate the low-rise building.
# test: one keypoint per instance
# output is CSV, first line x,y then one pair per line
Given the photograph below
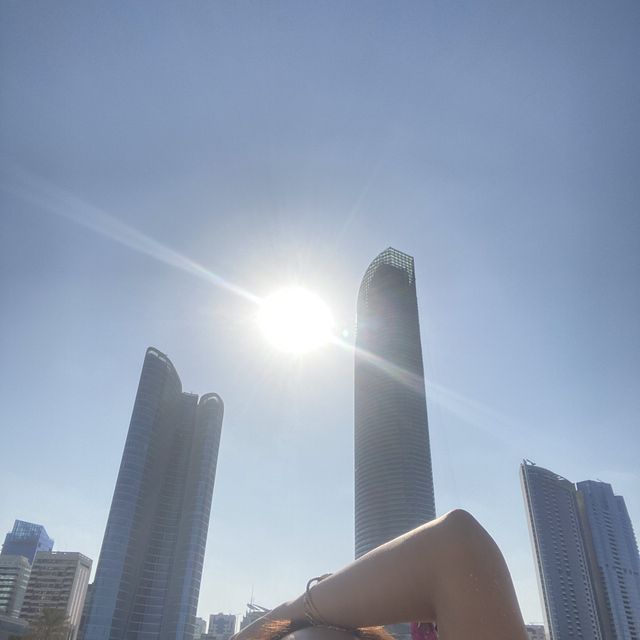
x,y
221,626
58,580
12,627
201,628
14,576
254,611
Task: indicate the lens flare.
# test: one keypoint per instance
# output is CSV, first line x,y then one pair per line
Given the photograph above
x,y
295,320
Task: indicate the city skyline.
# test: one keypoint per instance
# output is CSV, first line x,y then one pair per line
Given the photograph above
x,y
157,165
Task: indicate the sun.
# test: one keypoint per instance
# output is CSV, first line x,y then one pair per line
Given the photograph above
x,y
295,320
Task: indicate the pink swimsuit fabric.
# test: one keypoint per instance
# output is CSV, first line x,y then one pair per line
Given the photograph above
x,y
423,631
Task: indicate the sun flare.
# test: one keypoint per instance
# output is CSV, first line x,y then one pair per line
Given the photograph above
x,y
295,320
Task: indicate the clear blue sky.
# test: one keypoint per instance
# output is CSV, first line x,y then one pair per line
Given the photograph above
x,y
273,142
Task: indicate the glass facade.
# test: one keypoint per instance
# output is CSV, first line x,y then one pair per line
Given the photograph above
x,y
564,579
148,576
615,565
26,539
586,556
393,476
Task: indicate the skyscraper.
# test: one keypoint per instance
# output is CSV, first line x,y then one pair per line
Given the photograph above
x,y
393,477
86,610
586,557
26,539
148,576
613,555
58,580
564,579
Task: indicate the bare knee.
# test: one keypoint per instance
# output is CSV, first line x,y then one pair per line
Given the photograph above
x,y
461,522
463,531
454,541
475,586
454,531
469,547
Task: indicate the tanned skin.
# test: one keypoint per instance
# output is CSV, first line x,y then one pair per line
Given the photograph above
x,y
448,571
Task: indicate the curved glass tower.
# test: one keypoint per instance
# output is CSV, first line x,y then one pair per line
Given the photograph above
x,y
393,477
614,559
148,576
564,580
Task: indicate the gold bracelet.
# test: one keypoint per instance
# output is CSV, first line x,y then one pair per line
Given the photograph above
x,y
311,613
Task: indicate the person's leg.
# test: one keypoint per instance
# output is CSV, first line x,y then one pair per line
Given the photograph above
x,y
448,571
475,597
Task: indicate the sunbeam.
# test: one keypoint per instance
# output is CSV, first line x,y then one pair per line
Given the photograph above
x,y
407,378
66,205
474,413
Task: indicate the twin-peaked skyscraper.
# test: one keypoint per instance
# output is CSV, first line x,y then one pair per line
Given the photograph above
x,y
586,557
148,575
393,477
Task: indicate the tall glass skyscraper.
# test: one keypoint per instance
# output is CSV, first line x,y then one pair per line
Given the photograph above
x,y
586,557
26,539
564,579
393,477
613,554
148,576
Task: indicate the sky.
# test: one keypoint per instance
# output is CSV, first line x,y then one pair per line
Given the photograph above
x,y
161,164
